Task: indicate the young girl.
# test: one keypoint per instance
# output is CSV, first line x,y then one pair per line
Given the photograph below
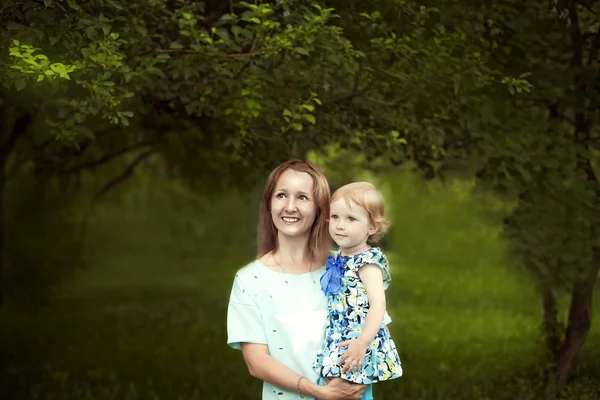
x,y
357,345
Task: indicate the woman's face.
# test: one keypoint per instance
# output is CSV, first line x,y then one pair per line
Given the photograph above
x,y
293,206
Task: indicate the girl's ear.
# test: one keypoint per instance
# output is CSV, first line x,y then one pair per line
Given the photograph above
x,y
373,227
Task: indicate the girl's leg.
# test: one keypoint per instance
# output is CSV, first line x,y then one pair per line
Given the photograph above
x,y
368,394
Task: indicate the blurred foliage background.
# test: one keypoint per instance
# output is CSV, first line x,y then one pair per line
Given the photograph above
x,y
135,137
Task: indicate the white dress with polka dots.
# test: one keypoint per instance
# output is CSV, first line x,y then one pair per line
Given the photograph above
x,y
284,311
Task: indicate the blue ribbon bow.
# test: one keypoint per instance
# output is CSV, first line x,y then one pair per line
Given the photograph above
x,y
331,281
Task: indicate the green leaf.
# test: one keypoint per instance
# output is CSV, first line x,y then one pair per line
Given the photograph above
x,y
141,30
297,126
47,3
301,50
49,72
176,45
227,17
162,57
223,34
30,61
20,84
16,42
308,107
57,67
79,117
287,113
13,26
73,5
89,31
40,78
155,71
316,100
310,118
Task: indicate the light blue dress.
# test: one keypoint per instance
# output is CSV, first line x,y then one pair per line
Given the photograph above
x,y
284,311
348,306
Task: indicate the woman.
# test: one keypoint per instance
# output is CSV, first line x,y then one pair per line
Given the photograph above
x,y
277,310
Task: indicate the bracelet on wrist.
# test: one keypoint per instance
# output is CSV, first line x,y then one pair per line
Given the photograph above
x,y
298,387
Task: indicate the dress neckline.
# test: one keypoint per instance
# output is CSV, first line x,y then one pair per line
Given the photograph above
x,y
287,273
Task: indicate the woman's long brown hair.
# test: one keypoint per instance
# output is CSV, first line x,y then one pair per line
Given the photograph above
x,y
318,242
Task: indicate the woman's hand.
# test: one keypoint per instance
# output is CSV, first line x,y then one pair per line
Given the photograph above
x,y
354,356
339,389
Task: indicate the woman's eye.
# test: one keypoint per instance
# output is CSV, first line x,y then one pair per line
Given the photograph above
x,y
280,195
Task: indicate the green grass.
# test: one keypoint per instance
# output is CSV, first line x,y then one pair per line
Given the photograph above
x,y
147,320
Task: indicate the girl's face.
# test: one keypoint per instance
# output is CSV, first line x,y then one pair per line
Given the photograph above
x,y
293,207
349,226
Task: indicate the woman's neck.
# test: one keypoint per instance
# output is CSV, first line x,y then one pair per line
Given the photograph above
x,y
293,254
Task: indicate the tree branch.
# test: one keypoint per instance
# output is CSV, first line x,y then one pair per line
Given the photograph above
x,y
18,129
188,51
124,175
594,49
105,158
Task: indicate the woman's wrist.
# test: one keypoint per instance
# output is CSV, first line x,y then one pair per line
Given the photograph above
x,y
322,393
311,389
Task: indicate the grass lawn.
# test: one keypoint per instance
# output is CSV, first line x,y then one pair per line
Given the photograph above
x,y
147,320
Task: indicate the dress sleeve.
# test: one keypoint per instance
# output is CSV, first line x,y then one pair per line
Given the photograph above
x,y
376,257
244,320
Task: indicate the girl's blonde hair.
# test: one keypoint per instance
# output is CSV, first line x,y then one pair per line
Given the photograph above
x,y
367,196
318,242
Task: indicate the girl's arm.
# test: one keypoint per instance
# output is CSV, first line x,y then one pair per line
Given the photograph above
x,y
264,367
372,278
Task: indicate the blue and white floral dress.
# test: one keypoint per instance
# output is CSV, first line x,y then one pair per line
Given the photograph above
x,y
348,305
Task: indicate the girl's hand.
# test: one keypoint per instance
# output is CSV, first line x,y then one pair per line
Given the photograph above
x,y
354,356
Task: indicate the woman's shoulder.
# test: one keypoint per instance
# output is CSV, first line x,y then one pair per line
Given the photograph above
x,y
249,270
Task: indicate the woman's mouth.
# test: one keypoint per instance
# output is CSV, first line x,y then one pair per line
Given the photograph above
x,y
290,220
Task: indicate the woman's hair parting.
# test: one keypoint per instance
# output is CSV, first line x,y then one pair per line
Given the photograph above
x,y
318,243
367,196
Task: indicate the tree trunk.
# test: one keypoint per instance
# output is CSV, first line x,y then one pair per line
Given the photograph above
x,y
579,322
6,147
2,225
551,329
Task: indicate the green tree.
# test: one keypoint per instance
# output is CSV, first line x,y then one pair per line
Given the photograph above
x,y
538,142
218,88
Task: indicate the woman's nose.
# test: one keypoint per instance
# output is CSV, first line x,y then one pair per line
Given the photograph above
x,y
291,205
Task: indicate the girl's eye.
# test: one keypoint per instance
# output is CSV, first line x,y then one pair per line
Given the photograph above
x,y
351,219
303,197
334,217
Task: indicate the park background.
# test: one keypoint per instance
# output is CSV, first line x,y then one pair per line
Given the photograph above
x,y
135,137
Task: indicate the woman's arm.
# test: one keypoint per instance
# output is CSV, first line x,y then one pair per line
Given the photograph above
x,y
264,367
372,278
